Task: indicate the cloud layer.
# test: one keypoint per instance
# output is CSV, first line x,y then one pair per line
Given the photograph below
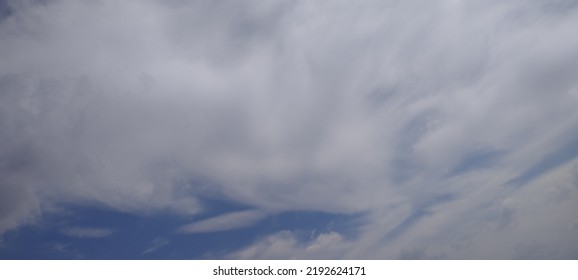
x,y
451,125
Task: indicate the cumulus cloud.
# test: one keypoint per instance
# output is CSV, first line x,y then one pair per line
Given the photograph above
x,y
434,118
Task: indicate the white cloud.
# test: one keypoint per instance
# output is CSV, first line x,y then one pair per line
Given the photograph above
x,y
319,106
87,232
224,222
286,245
492,222
156,244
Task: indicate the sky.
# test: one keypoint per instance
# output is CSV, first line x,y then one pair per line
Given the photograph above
x,y
288,129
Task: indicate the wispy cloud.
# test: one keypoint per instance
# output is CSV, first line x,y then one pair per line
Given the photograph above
x,y
87,232
156,244
224,222
437,120
286,245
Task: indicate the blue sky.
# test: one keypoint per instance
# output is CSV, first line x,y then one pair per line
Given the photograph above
x,y
288,129
100,233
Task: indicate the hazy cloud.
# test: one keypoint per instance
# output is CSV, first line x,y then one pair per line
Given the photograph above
x,y
225,222
438,120
287,245
87,232
156,244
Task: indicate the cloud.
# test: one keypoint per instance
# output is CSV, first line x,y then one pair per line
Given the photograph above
x,y
436,120
87,232
224,222
286,245
65,249
156,244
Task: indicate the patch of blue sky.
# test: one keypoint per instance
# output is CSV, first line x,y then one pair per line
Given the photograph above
x,y
5,10
477,159
566,153
156,236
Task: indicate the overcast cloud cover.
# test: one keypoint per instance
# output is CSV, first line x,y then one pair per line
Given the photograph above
x,y
450,127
